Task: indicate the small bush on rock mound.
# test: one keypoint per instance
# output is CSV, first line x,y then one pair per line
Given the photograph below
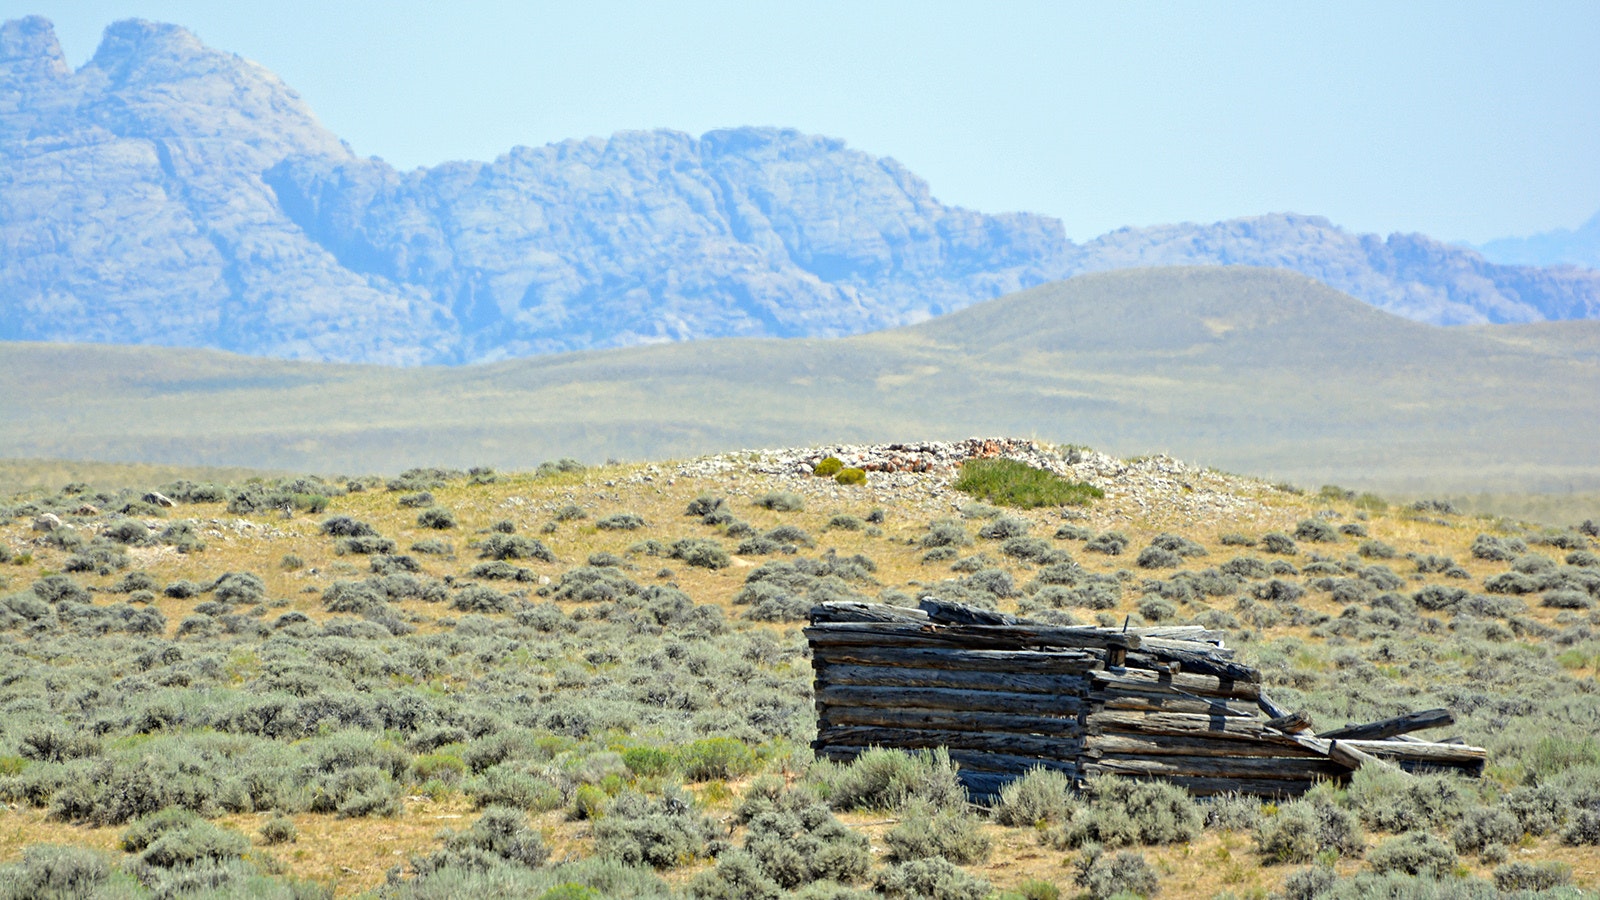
x,y
1008,482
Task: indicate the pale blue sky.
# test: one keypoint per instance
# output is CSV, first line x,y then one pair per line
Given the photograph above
x,y
1466,121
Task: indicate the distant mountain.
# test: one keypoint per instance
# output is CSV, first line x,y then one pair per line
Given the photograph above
x,y
1255,370
167,193
1565,246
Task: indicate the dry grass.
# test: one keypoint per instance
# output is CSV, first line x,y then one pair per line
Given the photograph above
x,y
354,854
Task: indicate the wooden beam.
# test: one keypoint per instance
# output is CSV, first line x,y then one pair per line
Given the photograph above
x,y
1373,731
948,699
1175,724
1197,664
900,676
1180,703
928,738
1204,685
975,760
1167,745
1278,769
1022,662
951,720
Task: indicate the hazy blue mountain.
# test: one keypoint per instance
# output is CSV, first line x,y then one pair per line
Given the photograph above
x,y
168,193
1570,246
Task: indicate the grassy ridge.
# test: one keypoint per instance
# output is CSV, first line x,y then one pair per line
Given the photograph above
x,y
1252,370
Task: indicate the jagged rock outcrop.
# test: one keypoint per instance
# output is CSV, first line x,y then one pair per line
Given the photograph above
x,y
168,193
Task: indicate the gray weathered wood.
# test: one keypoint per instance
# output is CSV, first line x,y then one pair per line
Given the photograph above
x,y
1165,645
1022,662
958,614
981,635
948,699
899,676
851,611
1197,664
927,738
1177,724
1372,731
1293,723
1204,685
1270,707
1216,767
952,720
1168,745
1131,700
1419,751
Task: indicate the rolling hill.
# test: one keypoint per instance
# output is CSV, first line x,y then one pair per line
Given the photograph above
x,y
1249,369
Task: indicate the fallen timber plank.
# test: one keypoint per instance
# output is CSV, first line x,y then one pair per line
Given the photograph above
x,y
1197,664
1293,723
975,760
1022,662
1372,731
900,676
951,720
948,699
1276,769
1176,724
1204,685
1165,745
1168,703
1459,755
1000,635
1338,751
928,738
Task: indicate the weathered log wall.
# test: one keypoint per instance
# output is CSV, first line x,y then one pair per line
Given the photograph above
x,y
1004,696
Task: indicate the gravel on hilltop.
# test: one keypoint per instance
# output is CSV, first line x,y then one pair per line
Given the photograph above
x,y
919,475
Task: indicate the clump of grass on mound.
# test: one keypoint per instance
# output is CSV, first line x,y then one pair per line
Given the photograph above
x,y
1011,483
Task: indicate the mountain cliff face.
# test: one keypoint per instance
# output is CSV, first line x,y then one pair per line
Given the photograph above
x,y
167,193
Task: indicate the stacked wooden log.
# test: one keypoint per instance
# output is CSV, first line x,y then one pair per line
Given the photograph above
x,y
1004,695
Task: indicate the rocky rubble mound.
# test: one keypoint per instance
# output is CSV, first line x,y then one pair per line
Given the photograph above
x,y
920,474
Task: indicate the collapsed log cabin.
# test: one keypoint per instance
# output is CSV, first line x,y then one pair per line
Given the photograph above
x,y
1004,695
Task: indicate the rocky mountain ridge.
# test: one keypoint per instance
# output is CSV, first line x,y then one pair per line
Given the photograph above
x,y
168,193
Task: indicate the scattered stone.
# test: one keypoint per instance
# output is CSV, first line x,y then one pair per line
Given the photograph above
x,y
159,499
47,522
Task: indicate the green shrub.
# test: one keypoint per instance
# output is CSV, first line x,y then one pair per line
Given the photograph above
x,y
843,522
702,552
1278,542
1306,827
1415,853
828,467
1390,800
279,829
1126,873
738,876
1123,811
623,521
512,546
1532,876
1484,826
931,879
663,833
1110,543
1040,796
889,779
950,832
796,840
436,517
851,476
716,758
781,501
54,872
648,761
1008,482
